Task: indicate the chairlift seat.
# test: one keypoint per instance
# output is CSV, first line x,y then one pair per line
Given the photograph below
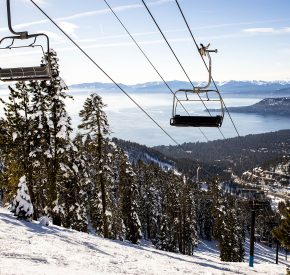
x,y
25,73
196,121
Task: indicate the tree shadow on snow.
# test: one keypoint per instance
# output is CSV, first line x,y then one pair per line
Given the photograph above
x,y
52,230
215,265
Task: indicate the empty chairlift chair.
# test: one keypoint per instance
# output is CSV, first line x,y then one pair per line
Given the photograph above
x,y
40,72
211,96
209,120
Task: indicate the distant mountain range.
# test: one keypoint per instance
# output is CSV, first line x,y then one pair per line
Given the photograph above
x,y
281,88
269,88
268,106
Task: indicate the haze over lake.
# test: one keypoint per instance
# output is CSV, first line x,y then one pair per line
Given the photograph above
x,y
129,123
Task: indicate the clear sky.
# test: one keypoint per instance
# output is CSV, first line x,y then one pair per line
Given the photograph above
x,y
252,37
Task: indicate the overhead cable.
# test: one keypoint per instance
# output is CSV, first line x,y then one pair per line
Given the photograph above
x,y
150,62
183,16
102,70
177,59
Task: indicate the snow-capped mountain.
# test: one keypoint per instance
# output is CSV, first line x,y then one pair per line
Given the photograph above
x,y
225,87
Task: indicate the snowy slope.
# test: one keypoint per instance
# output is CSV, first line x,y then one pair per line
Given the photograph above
x,y
29,248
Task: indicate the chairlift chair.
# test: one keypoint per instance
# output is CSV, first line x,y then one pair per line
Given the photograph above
x,y
198,121
41,72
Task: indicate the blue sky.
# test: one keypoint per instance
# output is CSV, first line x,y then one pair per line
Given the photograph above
x,y
252,37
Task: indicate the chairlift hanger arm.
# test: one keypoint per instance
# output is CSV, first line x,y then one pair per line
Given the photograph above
x,y
24,34
204,51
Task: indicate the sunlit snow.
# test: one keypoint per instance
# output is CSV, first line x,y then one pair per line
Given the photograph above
x,y
31,248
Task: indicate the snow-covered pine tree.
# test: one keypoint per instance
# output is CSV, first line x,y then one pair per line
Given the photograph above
x,y
188,212
4,147
118,229
95,125
18,137
54,154
21,205
149,200
204,217
73,197
232,239
282,231
128,196
228,229
171,216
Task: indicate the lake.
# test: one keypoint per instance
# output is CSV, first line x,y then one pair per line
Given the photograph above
x,y
129,123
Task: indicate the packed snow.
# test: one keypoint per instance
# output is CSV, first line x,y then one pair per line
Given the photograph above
x,y
33,248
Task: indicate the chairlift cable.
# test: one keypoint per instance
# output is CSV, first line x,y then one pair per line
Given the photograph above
x,y
161,32
46,15
188,27
102,70
150,62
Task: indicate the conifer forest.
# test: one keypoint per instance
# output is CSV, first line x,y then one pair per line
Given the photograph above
x,y
87,183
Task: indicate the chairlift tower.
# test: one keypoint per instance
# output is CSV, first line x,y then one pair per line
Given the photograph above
x,y
255,205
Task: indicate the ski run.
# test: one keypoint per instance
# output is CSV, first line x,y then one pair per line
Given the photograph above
x,y
31,248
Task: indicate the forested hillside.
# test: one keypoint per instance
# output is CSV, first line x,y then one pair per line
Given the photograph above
x,y
89,183
268,106
185,165
238,154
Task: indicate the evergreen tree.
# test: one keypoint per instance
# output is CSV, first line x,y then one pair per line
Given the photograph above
x,y
282,232
21,205
171,219
228,229
128,197
117,223
204,214
39,130
148,180
18,137
95,125
189,234
54,152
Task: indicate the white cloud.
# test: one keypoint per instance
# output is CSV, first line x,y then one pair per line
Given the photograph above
x,y
159,2
267,30
102,11
69,28
41,2
53,35
38,2
25,25
259,30
94,12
